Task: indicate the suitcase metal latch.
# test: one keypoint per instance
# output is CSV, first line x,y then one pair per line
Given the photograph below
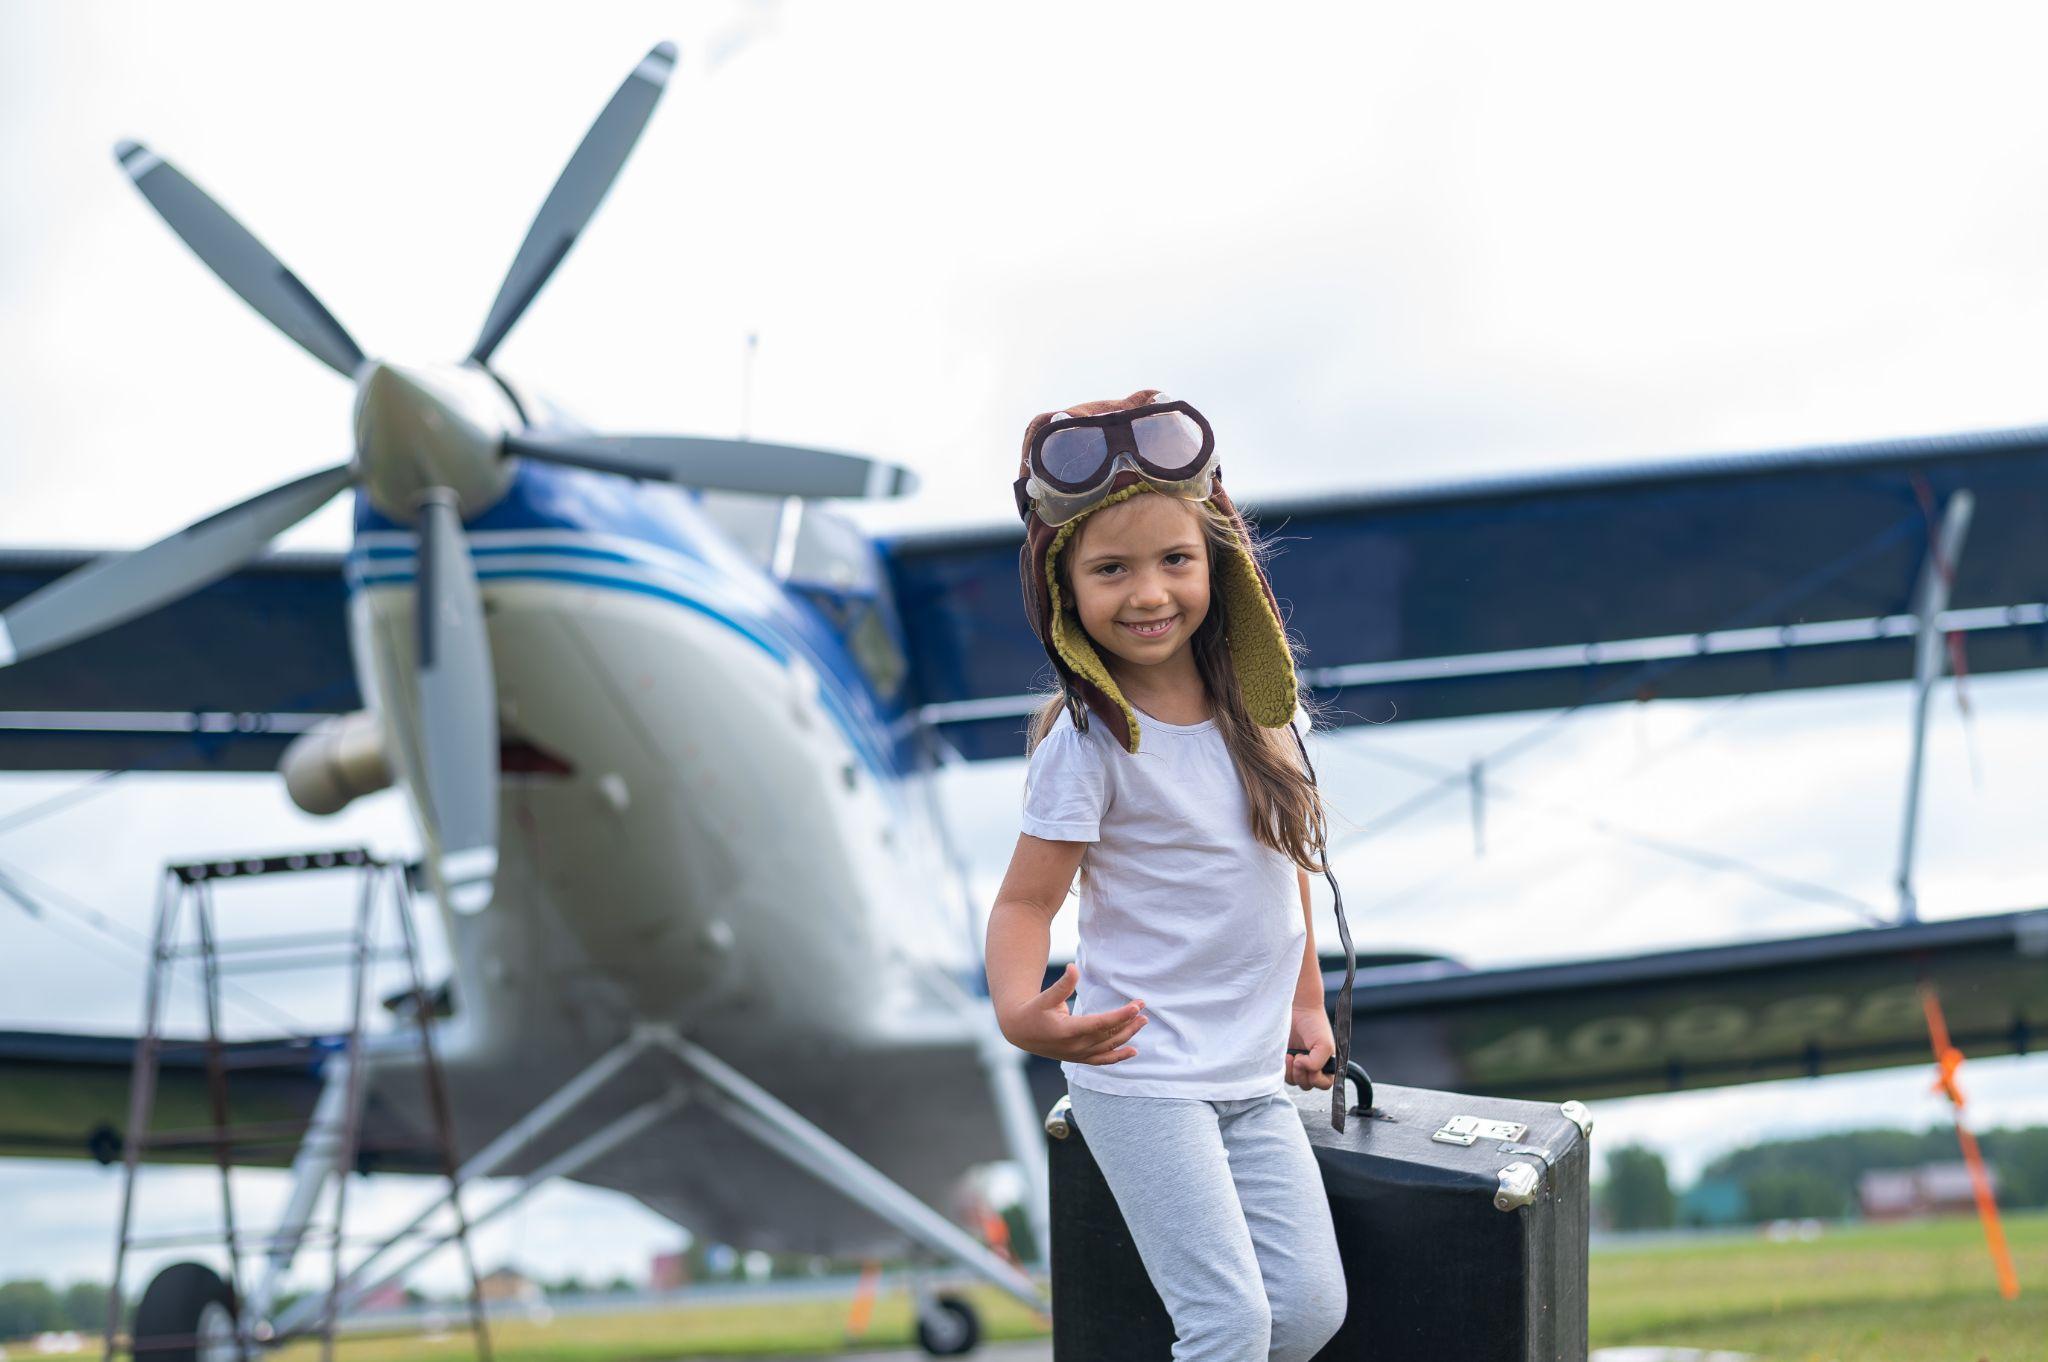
x,y
1469,1130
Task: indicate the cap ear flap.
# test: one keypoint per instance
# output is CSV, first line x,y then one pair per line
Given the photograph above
x,y
1069,639
1259,650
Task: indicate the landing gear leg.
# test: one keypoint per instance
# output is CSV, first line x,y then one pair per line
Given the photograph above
x,y
1022,1131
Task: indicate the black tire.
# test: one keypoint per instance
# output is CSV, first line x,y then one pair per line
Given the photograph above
x,y
168,1316
958,1336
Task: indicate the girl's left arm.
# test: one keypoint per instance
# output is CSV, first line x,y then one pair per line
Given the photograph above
x,y
1308,988
1310,1028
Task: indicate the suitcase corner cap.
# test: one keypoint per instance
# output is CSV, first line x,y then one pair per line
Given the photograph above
x,y
1578,1115
1518,1184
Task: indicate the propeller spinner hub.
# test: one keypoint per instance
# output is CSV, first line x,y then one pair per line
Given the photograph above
x,y
431,426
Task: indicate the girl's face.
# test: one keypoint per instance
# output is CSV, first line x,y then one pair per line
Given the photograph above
x,y
1140,577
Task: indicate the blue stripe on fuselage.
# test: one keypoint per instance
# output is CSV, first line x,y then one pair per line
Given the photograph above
x,y
666,549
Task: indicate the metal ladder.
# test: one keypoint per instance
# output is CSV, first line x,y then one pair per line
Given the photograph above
x,y
186,895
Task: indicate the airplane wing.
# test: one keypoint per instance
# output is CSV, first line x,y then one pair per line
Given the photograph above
x,y
1577,1029
219,681
65,1096
1702,1018
1697,578
1707,1017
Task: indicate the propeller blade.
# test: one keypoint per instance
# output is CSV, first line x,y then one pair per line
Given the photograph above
x,y
243,263
458,706
576,195
120,586
723,465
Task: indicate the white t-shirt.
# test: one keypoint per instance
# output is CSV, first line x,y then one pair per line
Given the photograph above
x,y
1180,906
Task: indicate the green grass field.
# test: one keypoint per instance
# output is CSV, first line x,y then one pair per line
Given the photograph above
x,y
1906,1293
1900,1293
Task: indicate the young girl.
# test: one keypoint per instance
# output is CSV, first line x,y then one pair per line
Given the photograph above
x,y
1163,775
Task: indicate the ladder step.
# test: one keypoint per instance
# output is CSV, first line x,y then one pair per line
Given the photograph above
x,y
260,1133
251,1241
340,858
294,1052
245,1240
241,945
303,960
234,1136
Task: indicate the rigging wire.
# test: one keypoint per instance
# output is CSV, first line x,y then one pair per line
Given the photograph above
x,y
63,799
53,898
1704,858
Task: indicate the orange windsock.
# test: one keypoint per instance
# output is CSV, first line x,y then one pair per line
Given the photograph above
x,y
1950,1061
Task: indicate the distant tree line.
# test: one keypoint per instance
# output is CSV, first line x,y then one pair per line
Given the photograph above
x,y
1815,1176
35,1307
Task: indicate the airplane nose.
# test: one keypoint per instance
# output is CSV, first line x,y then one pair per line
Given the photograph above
x,y
391,401
417,428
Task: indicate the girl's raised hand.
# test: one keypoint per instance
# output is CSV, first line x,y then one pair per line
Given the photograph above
x,y
1045,1027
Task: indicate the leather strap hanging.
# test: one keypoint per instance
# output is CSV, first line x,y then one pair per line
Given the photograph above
x,y
1340,1024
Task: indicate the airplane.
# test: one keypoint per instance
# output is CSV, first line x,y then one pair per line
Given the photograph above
x,y
672,730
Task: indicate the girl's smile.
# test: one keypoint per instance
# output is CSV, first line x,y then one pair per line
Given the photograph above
x,y
1150,628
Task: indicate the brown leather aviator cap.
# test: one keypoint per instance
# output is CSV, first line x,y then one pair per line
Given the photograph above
x,y
1258,644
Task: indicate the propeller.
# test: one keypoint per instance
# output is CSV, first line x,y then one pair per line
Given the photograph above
x,y
578,191
427,441
728,465
458,705
243,263
120,586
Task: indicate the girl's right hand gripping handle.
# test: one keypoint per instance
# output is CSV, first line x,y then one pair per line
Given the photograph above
x,y
1355,1072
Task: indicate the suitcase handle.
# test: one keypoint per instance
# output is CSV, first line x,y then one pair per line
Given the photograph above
x,y
1355,1072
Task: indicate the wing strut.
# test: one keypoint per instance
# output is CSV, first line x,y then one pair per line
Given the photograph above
x,y
758,1112
1937,575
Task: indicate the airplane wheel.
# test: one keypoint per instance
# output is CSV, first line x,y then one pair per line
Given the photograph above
x,y
190,1308
949,1329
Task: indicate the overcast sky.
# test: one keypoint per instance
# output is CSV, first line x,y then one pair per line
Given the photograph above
x,y
1376,244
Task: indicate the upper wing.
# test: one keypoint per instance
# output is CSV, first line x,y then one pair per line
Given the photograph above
x,y
1704,577
218,681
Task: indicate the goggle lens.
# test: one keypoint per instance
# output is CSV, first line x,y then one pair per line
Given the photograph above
x,y
1075,454
1169,440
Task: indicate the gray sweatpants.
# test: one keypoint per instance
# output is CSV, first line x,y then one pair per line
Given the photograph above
x,y
1228,1213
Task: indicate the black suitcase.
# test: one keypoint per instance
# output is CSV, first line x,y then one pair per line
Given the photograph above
x,y
1461,1220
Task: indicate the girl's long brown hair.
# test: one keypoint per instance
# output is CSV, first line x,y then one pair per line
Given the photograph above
x,y
1287,812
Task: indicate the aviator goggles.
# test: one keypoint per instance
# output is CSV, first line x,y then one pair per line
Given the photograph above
x,y
1073,461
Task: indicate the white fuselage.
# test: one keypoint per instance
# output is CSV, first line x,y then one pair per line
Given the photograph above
x,y
719,852
730,849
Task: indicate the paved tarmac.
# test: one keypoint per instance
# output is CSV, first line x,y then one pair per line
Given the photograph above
x,y
1042,1352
